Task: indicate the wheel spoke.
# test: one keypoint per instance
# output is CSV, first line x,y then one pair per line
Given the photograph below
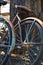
x,y
4,35
34,37
2,45
31,55
30,30
34,53
37,38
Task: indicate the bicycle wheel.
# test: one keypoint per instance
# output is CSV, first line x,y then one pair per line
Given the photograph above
x,y
5,40
29,34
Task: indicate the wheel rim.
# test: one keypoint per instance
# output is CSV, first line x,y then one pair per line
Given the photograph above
x,y
5,40
29,33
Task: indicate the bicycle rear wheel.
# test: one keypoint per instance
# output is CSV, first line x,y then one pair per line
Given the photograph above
x,y
29,34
